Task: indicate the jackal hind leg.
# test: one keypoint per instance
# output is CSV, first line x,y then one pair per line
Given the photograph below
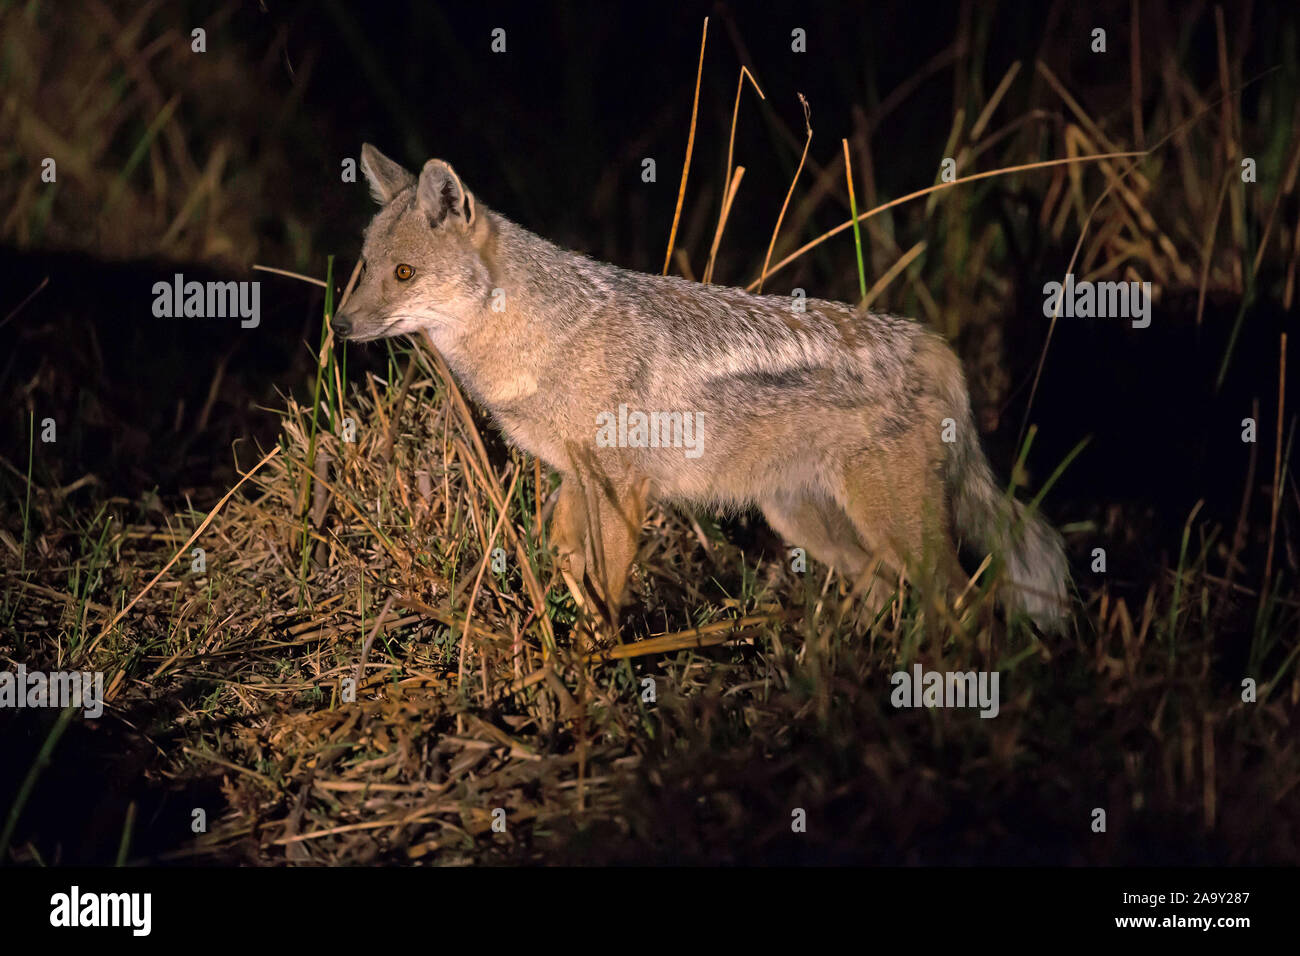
x,y
901,513
816,523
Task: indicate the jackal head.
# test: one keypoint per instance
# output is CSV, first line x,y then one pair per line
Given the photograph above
x,y
421,264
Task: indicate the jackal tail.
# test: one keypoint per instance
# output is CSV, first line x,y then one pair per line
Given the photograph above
x,y
1031,550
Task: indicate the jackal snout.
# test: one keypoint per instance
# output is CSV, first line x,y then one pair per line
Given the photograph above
x,y
341,323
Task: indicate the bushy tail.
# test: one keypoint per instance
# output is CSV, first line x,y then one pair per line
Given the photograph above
x,y
1031,550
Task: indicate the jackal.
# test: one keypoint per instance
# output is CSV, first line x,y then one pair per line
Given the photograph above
x,y
850,431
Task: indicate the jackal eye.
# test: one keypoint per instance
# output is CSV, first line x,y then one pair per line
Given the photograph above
x,y
403,272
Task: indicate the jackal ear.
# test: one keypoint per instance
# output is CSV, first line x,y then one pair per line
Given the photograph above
x,y
386,178
441,195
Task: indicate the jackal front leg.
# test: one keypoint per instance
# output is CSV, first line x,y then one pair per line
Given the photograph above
x,y
615,512
596,529
569,533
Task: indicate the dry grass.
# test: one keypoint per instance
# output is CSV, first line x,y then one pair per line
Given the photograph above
x,y
450,724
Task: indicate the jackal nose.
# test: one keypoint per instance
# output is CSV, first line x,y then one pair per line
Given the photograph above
x,y
341,323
